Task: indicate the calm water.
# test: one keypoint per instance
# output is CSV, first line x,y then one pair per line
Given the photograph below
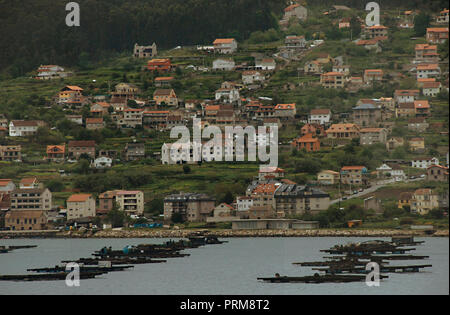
x,y
230,268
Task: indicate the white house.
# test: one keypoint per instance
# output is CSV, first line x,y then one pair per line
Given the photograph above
x,y
22,128
252,77
425,71
180,153
342,68
225,45
102,162
320,116
244,203
394,170
78,119
424,162
431,89
267,64
228,95
406,96
7,186
224,64
49,72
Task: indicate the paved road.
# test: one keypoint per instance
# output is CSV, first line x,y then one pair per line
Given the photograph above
x,y
374,188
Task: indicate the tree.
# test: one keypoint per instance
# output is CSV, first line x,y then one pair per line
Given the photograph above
x,y
55,185
186,169
177,217
116,217
355,26
228,198
421,23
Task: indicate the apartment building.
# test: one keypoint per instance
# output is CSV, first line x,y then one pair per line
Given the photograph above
x,y
10,153
369,136
25,220
293,199
192,207
366,115
343,131
80,206
354,175
31,199
333,80
424,200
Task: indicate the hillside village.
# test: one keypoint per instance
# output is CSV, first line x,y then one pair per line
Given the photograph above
x,y
362,114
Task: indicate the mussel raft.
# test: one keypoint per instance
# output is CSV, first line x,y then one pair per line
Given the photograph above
x,y
108,260
351,265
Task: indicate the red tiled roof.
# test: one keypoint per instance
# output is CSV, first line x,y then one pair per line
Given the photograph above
x,y
79,198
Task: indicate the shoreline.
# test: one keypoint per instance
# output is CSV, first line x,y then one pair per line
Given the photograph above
x,y
219,233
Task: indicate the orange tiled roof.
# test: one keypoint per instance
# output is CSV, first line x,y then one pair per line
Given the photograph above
x,y
5,182
223,41
79,198
28,180
265,189
432,85
342,127
74,88
164,79
94,121
373,71
421,104
426,46
431,66
375,27
437,29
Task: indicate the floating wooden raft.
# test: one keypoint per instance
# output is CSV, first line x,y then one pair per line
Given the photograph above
x,y
22,247
364,251
318,279
333,263
384,269
48,276
405,240
378,257
121,254
82,269
117,261
7,249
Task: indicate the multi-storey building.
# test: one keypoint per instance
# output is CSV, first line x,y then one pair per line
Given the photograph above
x,y
10,153
145,51
78,148
293,199
31,199
80,206
354,175
191,206
424,200
225,45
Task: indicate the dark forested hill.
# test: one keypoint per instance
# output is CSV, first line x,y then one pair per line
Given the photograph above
x,y
33,32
